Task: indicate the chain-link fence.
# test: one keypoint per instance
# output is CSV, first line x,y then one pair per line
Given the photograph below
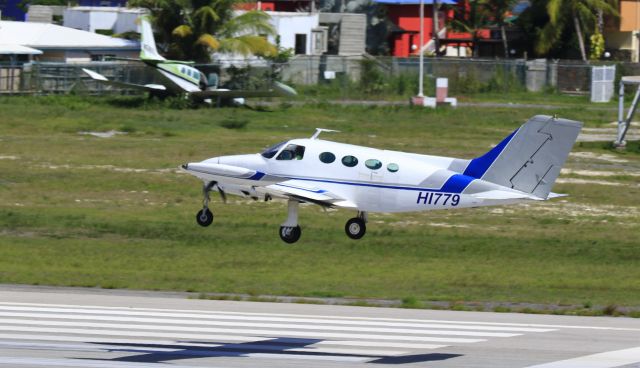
x,y
346,77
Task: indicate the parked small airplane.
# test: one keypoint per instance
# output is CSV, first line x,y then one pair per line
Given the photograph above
x,y
524,166
181,78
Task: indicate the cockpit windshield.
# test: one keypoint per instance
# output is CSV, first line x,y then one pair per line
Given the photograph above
x,y
271,151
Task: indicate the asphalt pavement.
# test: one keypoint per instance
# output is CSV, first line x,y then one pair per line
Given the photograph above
x,y
50,327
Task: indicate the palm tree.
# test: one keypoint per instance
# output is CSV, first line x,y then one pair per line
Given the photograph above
x,y
583,15
192,29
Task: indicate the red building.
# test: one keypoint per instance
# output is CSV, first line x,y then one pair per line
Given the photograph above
x,y
405,14
279,5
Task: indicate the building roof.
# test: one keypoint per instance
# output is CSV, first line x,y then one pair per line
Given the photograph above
x,y
18,50
413,2
51,36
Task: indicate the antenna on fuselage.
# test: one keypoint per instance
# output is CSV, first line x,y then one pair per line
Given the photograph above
x,y
320,130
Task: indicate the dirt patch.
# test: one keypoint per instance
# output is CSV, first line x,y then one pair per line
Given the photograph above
x,y
109,134
597,173
588,181
595,156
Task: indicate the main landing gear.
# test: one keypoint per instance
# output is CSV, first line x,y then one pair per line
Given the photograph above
x,y
204,217
356,227
290,231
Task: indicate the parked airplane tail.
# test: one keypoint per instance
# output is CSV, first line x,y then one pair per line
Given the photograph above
x,y
148,51
530,158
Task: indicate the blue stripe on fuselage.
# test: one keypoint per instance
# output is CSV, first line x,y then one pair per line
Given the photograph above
x,y
455,184
479,166
257,176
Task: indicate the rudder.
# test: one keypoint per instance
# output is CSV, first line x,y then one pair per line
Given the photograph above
x,y
530,158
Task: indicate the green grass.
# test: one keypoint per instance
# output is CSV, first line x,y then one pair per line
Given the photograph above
x,y
86,211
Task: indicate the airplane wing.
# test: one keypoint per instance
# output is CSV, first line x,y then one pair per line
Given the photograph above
x,y
275,186
304,193
104,80
278,90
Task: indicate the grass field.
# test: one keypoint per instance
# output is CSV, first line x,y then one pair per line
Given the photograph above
x,y
116,213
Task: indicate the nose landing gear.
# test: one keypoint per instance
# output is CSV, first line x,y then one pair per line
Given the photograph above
x,y
356,227
204,217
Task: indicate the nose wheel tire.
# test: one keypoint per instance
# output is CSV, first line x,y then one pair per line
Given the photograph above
x,y
290,234
204,217
355,228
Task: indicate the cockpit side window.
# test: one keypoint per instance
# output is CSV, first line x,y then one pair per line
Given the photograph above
x,y
291,152
271,151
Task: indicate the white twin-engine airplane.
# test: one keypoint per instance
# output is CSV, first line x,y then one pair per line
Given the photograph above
x,y
524,166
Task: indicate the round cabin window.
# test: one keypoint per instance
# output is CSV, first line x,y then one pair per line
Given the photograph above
x,y
393,167
373,164
327,157
349,161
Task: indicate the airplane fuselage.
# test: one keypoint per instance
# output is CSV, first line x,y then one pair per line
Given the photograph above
x,y
376,181
523,166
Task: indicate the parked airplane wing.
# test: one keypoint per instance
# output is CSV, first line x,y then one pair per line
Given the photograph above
x,y
104,80
293,190
278,90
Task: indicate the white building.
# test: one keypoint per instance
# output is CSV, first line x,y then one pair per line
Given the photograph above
x,y
65,44
113,20
298,31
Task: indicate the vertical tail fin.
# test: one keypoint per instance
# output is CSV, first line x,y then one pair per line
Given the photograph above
x,y
148,49
530,158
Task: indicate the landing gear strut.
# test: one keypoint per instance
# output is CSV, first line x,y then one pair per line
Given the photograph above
x,y
204,217
356,227
290,231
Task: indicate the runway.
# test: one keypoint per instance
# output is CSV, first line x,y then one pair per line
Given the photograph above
x,y
101,328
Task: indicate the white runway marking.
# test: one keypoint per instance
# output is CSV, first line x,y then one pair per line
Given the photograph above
x,y
84,363
198,319
204,313
93,328
166,335
239,324
609,359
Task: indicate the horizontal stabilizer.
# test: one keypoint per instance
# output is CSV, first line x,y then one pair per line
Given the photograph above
x,y
504,195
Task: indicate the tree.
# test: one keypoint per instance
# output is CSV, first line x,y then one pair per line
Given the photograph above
x,y
580,14
498,10
192,29
472,20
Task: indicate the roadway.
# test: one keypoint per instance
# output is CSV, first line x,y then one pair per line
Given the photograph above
x,y
50,327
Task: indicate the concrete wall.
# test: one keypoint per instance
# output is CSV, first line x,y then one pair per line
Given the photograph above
x,y
287,25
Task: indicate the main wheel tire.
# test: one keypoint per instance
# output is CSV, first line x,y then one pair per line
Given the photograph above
x,y
290,234
204,217
355,228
